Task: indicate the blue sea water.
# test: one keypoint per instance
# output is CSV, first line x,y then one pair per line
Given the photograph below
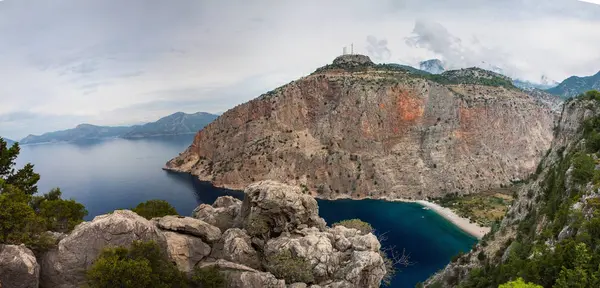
x,y
105,175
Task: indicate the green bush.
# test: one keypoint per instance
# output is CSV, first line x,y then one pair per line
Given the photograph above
x,y
292,268
143,265
583,168
154,208
357,224
208,277
25,217
519,283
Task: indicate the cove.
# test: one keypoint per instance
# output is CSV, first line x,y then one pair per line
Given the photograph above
x,y
105,175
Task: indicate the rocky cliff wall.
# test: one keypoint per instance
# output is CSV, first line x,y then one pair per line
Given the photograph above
x,y
549,209
361,132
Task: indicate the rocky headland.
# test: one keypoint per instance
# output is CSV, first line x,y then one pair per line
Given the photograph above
x,y
355,129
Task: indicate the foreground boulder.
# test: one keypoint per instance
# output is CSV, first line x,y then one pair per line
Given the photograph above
x,y
271,208
18,267
238,275
65,266
221,214
191,226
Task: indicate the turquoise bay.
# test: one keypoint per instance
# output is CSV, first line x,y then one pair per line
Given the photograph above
x,y
105,175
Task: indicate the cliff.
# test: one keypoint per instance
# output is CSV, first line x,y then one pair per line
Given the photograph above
x,y
550,234
356,129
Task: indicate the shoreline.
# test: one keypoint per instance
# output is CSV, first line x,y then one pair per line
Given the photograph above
x,y
463,224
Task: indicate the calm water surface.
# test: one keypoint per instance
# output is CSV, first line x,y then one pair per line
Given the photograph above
x,y
105,175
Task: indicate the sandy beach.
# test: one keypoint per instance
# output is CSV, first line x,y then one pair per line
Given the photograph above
x,y
462,223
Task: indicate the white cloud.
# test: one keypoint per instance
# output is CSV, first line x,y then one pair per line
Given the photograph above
x,y
119,62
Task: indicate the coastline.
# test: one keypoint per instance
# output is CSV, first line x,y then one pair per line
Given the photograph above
x,y
463,224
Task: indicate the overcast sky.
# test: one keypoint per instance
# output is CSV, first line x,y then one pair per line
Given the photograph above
x,y
117,62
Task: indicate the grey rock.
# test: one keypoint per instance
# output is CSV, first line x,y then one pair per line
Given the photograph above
x,y
297,285
359,263
18,267
221,214
240,276
185,250
278,208
188,225
236,246
65,266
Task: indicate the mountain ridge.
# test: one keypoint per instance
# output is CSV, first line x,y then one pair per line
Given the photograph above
x,y
358,129
174,124
576,85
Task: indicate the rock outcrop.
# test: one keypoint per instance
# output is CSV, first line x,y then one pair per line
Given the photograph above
x,y
356,129
18,267
221,214
274,218
538,217
65,266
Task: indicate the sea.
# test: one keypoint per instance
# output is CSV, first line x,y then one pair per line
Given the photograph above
x,y
110,174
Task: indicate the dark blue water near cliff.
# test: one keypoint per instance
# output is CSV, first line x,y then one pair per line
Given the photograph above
x,y
110,174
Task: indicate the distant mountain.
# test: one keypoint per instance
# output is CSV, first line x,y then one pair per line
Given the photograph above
x,y
81,132
178,123
544,84
8,141
575,85
433,66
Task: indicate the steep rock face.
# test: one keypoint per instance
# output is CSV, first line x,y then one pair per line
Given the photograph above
x,y
375,132
18,267
65,266
530,213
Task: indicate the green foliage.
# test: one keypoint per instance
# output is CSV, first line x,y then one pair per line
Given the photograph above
x,y
143,265
519,283
24,217
590,95
292,268
60,215
357,224
208,277
583,168
155,208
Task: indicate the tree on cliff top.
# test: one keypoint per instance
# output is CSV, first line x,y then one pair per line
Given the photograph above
x,y
24,217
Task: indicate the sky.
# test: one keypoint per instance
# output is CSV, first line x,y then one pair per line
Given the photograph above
x,y
115,62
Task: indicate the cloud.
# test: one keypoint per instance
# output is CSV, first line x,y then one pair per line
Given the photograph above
x,y
455,53
101,61
378,49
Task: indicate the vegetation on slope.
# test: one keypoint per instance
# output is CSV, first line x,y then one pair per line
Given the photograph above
x,y
143,265
24,216
154,208
557,243
484,209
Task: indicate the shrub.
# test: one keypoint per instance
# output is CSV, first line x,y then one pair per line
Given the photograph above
x,y
583,168
519,283
285,265
357,224
24,217
208,277
143,265
154,208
